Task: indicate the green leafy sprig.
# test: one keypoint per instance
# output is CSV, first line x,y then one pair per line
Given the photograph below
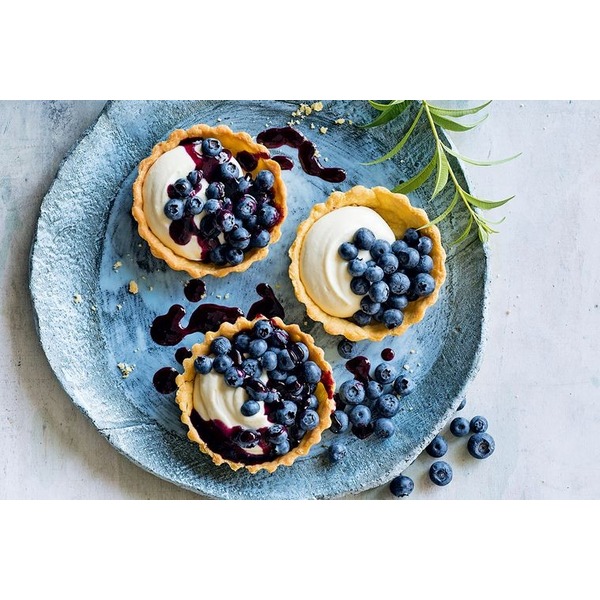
x,y
445,118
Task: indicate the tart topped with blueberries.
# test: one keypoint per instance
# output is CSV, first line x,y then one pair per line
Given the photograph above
x,y
367,264
256,394
209,201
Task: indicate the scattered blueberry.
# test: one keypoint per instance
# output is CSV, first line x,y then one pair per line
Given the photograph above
x,y
481,445
220,345
440,473
203,364
339,421
312,402
402,486
174,209
352,391
347,349
256,390
242,341
348,251
478,424
385,373
247,438
438,447
384,428
337,452
194,177
211,147
364,238
373,390
387,405
459,427
360,415
403,385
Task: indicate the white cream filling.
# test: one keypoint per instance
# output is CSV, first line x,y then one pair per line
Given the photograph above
x,y
171,166
322,271
214,400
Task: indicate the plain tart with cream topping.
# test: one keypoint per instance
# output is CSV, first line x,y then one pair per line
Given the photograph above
x,y
367,264
209,201
256,394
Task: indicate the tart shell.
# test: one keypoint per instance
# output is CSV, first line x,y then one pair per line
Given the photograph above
x,y
324,393
234,142
399,214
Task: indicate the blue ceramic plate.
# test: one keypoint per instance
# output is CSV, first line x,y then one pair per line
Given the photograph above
x,y
85,228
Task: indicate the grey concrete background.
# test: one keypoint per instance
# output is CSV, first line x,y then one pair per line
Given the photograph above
x,y
538,385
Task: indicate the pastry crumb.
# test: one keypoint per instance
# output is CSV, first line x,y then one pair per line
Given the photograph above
x,y
412,351
218,296
340,121
119,306
93,308
133,287
219,119
317,106
150,288
77,299
326,159
317,154
117,265
323,130
227,295
406,367
125,369
312,125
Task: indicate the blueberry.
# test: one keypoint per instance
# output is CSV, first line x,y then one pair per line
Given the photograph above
x,y
373,390
403,385
247,438
425,264
280,338
352,391
392,318
384,428
339,421
347,349
399,246
402,486
424,245
459,427
217,255
212,206
311,371
194,206
478,424
233,377
438,447
260,239
243,185
368,306
374,274
234,256
262,329
348,251
399,283
211,147
299,353
268,360
215,191
225,220
423,284
174,209
257,348
242,342
221,363
337,452
272,397
462,404
194,177
239,238
411,237
440,473
229,171
361,318
250,408
385,373
287,414
481,445
264,180
203,364
268,216
277,375
220,345
387,405
256,390
359,286
408,258
364,238
251,367
360,415
308,419
282,448
285,361
357,267
379,248
276,434
379,292
246,207
183,187
397,302
388,263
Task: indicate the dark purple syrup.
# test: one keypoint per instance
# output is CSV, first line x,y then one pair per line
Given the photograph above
x,y
286,164
182,354
269,306
166,330
164,380
387,354
359,367
249,161
288,136
194,290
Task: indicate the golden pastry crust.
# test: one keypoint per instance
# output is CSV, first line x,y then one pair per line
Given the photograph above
x,y
324,393
399,214
235,142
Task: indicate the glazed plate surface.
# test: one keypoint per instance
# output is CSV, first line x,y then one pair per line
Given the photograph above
x,y
85,228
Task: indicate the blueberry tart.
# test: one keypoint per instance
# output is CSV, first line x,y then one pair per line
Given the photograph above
x,y
209,201
365,266
256,394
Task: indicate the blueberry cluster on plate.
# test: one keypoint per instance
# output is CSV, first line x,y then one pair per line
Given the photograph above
x,y
238,210
395,275
287,396
367,407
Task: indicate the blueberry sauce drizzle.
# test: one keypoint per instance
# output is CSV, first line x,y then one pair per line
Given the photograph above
x,y
182,353
387,354
268,306
288,136
360,367
194,290
286,164
164,380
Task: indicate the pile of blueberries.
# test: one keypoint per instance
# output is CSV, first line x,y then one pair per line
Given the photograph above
x,y
395,275
238,211
288,393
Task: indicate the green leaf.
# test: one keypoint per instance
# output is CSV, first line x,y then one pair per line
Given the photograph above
x,y
479,163
391,112
451,125
419,179
463,236
483,234
443,167
400,144
484,204
379,106
441,217
456,112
